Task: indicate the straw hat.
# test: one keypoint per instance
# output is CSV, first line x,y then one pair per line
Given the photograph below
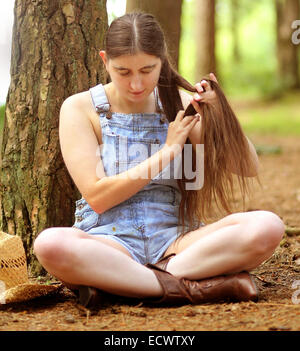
x,y
14,283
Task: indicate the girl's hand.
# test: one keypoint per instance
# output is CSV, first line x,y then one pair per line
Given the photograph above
x,y
204,94
179,130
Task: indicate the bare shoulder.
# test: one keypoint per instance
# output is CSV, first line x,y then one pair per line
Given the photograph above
x,y
81,101
79,109
185,98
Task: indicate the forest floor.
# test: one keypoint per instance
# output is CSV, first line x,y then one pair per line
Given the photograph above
x,y
278,279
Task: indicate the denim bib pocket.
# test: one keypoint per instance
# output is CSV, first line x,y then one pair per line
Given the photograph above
x,y
85,217
120,153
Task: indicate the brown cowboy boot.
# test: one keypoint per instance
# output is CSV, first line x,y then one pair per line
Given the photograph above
x,y
163,262
233,287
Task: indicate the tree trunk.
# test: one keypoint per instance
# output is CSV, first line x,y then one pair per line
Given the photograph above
x,y
54,55
235,31
287,11
205,38
168,14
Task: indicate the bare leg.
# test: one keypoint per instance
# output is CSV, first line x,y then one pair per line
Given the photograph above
x,y
81,259
237,242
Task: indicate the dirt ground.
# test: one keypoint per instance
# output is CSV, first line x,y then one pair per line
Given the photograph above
x,y
278,278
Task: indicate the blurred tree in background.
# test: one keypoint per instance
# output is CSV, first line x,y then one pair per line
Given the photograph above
x,y
254,57
236,55
204,27
168,13
287,11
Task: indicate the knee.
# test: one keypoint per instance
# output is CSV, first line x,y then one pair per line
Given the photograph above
x,y
267,230
49,246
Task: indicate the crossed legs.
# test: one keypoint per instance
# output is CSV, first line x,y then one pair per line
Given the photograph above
x,y
237,242
241,241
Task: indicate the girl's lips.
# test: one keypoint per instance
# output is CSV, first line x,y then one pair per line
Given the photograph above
x,y
137,92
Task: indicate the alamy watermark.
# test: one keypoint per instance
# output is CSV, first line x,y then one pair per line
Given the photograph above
x,y
296,293
296,33
120,157
2,290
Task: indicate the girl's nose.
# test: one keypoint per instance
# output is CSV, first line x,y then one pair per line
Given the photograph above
x,y
136,84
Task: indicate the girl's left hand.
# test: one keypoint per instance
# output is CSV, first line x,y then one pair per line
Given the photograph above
x,y
204,94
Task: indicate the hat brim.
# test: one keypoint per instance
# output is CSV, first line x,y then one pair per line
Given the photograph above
x,y
27,291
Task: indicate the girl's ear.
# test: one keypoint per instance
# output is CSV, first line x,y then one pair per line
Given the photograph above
x,y
102,54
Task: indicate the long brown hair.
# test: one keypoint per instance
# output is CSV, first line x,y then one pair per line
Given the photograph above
x,y
221,134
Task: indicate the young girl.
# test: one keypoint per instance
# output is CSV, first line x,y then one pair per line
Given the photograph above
x,y
137,232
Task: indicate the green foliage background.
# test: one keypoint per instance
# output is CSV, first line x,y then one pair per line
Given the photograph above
x,y
254,78
255,74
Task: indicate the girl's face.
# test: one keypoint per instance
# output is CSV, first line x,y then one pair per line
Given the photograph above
x,y
134,76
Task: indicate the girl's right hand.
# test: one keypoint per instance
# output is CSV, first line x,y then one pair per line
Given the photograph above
x,y
179,129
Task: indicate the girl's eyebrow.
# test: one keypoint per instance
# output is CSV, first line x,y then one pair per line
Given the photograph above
x,y
120,68
149,66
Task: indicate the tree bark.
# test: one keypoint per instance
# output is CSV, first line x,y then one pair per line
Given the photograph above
x,y
54,55
168,14
287,11
205,38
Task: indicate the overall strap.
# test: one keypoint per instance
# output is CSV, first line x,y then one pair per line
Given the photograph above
x,y
99,99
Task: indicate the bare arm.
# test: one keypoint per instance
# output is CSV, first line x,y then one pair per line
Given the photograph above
x,y
79,147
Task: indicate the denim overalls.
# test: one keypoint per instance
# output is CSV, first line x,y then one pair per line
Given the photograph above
x,y
147,223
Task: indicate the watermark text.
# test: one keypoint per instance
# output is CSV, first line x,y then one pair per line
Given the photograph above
x,y
118,159
296,294
296,33
2,290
